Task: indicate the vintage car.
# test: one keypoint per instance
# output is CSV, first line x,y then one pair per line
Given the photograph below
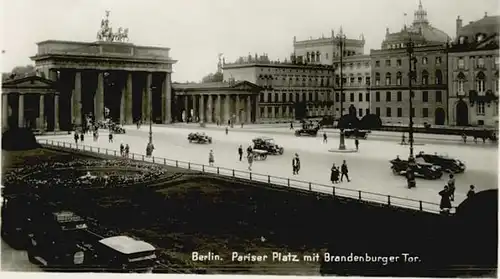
x,y
267,144
307,131
355,133
116,129
422,170
199,138
259,155
446,163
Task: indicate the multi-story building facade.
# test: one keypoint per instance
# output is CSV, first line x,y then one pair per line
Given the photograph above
x,y
390,74
291,90
356,72
473,73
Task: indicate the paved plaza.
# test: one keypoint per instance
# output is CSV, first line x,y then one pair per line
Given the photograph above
x,y
369,168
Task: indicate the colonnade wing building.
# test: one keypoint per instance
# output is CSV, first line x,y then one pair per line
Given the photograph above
x,y
119,80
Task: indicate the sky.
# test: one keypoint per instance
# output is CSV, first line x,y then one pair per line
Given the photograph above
x,y
197,30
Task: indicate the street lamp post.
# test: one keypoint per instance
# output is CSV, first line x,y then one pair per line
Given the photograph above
x,y
411,75
150,110
341,39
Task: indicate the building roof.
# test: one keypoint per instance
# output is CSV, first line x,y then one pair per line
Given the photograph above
x,y
488,25
30,83
243,85
127,245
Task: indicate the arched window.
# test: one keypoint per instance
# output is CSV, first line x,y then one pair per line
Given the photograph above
x,y
424,60
461,40
425,77
399,78
439,77
480,79
388,79
461,82
377,78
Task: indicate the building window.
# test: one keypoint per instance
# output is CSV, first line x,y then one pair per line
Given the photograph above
x,y
360,112
283,97
425,112
480,79
351,97
388,79
367,80
388,112
424,60
399,96
269,111
367,111
351,65
360,80
438,60
425,78
399,63
358,65
387,96
480,62
412,112
399,78
377,78
310,96
377,64
400,112
269,97
480,108
377,111
461,63
326,56
261,97
377,96
276,97
337,97
343,97
367,96
439,77
425,96
351,80
388,63
360,97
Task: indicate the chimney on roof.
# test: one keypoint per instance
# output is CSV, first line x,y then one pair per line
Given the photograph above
x,y
387,31
459,24
485,14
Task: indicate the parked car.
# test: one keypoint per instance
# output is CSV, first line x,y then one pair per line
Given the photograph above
x,y
267,144
199,138
259,155
446,163
422,170
363,134
116,129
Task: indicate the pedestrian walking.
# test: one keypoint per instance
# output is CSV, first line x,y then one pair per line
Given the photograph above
x,y
241,124
356,143
149,149
296,164
82,137
345,172
464,137
110,137
250,161
127,150
451,187
445,203
122,149
227,130
211,159
249,150
291,125
76,137
334,175
240,152
325,138
403,139
471,192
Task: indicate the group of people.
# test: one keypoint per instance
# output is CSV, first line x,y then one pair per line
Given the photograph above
x,y
448,194
124,150
337,175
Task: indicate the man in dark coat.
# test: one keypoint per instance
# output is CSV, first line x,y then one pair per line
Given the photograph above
x,y
296,164
471,192
325,138
451,187
356,143
240,151
76,137
334,176
445,203
345,172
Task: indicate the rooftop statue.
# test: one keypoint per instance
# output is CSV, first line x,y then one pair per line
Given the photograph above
x,y
106,32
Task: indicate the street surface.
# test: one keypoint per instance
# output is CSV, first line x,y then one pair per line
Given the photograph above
x,y
369,169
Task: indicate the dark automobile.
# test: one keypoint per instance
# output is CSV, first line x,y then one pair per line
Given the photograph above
x,y
199,138
116,129
446,163
267,144
307,131
422,170
363,134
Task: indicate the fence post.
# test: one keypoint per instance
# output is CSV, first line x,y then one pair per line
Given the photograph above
x,y
202,168
288,181
233,172
106,151
310,186
153,159
91,149
132,156
388,200
359,192
189,165
269,179
250,175
98,150
114,153
164,161
176,163
333,191
83,146
421,208
143,158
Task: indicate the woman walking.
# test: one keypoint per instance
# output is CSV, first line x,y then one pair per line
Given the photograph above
x,y
211,159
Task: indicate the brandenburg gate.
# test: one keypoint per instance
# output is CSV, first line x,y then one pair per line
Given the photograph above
x,y
107,78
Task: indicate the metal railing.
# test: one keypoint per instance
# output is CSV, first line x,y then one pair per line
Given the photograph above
x,y
271,180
